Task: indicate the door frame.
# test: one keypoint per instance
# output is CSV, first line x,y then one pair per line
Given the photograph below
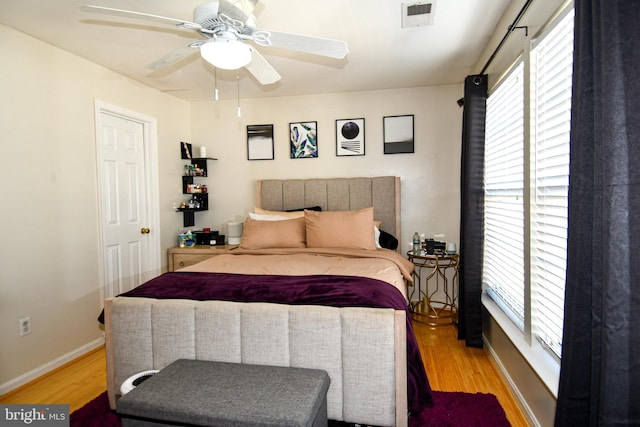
x,y
153,264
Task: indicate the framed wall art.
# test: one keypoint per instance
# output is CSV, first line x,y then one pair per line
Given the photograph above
x,y
398,134
350,137
303,140
260,142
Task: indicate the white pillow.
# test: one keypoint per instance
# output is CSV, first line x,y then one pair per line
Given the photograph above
x,y
265,217
376,231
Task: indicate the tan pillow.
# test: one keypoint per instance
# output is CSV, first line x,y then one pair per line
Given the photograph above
x,y
340,229
295,214
288,233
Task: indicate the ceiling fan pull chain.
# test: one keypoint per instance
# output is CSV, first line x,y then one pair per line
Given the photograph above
x,y
238,81
215,80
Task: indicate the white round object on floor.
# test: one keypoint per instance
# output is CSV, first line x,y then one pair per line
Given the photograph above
x,y
131,382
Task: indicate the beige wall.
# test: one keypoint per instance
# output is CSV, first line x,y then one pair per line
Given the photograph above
x,y
49,258
430,177
49,262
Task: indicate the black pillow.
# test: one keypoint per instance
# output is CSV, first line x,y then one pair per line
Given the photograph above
x,y
312,208
387,241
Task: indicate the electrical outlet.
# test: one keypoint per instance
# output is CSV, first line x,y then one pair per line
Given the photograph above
x,y
25,326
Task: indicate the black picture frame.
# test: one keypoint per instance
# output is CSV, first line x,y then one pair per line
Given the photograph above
x,y
398,134
260,142
303,140
350,137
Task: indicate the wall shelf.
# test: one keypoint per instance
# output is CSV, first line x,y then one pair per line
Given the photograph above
x,y
197,168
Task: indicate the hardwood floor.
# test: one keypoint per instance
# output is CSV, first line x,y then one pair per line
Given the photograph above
x,y
75,383
450,367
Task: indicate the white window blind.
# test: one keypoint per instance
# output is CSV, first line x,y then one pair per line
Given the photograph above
x,y
503,269
552,63
505,277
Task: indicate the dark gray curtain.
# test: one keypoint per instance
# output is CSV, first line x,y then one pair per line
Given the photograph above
x,y
600,372
472,210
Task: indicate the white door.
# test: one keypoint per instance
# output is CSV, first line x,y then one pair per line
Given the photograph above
x,y
128,230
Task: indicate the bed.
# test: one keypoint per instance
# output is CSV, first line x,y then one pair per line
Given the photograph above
x,y
302,290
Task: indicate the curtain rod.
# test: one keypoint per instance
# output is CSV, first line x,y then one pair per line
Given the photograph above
x,y
509,31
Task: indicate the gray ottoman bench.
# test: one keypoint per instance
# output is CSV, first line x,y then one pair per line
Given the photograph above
x,y
204,393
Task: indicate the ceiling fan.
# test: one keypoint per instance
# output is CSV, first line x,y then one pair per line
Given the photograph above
x,y
226,26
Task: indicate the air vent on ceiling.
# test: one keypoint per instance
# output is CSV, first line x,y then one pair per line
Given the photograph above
x,y
418,14
418,9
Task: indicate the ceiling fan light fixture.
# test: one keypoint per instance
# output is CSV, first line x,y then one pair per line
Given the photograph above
x,y
226,53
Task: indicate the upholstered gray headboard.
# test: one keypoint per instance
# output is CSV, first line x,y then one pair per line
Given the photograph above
x,y
336,194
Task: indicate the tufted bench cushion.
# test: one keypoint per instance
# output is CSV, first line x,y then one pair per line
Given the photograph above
x,y
205,393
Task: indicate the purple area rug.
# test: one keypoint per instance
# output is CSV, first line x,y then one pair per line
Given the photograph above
x,y
457,409
95,414
450,409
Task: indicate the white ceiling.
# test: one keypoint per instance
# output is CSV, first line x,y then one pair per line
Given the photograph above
x,y
382,54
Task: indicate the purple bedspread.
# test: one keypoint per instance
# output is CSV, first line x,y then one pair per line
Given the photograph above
x,y
337,291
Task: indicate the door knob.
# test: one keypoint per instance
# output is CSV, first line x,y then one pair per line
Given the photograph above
x,y
144,230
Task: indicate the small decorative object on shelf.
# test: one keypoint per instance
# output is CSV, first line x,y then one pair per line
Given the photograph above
x,y
196,188
196,168
186,151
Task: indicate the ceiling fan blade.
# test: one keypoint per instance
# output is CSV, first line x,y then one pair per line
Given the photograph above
x,y
260,68
172,57
139,15
316,45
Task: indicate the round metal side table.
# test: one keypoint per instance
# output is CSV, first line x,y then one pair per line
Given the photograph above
x,y
435,281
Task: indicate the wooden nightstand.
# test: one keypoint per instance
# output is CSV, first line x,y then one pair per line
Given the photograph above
x,y
182,257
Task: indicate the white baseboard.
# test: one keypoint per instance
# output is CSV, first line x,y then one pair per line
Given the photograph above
x,y
49,366
526,409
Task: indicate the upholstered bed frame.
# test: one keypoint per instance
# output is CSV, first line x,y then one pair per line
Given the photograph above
x,y
337,194
362,349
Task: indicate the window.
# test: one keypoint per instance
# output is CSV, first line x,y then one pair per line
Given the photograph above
x,y
526,188
503,268
552,62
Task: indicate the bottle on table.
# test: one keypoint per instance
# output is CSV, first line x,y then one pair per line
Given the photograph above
x,y
416,243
